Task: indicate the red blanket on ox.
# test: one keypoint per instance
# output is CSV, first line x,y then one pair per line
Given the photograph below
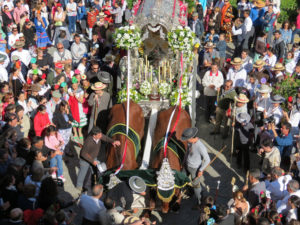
x,y
74,108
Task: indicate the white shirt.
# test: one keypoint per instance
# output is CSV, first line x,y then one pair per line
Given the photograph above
x,y
270,61
283,204
24,104
238,77
248,24
3,74
294,117
24,56
73,8
262,103
12,39
62,56
276,112
212,79
7,61
278,188
238,31
10,5
290,67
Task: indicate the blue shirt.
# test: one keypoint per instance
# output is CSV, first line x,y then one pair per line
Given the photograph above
x,y
281,142
256,16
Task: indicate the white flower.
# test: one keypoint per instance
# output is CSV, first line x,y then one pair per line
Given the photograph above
x,y
181,34
119,36
186,40
179,27
187,28
130,40
126,28
126,36
174,36
132,27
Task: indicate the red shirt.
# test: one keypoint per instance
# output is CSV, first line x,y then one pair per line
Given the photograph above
x,y
40,122
298,22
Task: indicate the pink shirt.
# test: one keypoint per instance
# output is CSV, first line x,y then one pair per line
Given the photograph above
x,y
18,12
53,140
298,22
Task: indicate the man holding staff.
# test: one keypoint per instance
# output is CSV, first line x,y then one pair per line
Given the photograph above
x,y
197,158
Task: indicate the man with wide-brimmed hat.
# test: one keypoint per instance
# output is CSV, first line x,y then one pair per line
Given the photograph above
x,y
275,110
197,158
23,54
244,130
210,54
241,104
277,69
260,71
237,74
100,102
262,101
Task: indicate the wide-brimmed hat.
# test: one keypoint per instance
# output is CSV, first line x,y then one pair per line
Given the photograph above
x,y
2,58
130,220
19,44
98,86
35,87
109,58
278,67
243,117
277,99
56,94
259,63
241,98
209,45
137,184
189,133
104,77
264,89
259,4
236,61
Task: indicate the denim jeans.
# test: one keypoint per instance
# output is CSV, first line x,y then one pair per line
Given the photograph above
x,y
84,169
296,31
72,24
57,162
197,190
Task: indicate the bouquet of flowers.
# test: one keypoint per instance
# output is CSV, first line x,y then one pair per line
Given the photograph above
x,y
128,37
145,88
134,95
164,89
181,39
186,99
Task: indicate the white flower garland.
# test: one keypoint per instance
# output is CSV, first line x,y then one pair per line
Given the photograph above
x,y
145,88
186,99
128,37
134,95
181,39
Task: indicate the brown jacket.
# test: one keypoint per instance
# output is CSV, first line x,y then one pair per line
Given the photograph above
x,y
90,149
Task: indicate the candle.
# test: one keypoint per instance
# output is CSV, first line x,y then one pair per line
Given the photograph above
x,y
145,72
151,74
158,74
170,74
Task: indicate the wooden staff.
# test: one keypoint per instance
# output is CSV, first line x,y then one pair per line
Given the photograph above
x,y
247,177
217,190
218,93
233,130
217,156
95,112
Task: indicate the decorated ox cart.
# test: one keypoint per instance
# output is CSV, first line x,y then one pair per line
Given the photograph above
x,y
159,74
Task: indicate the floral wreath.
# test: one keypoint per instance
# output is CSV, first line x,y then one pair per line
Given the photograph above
x,y
128,37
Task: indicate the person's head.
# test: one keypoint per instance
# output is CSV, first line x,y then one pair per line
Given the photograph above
x,y
286,25
217,9
63,106
16,214
24,143
246,13
226,2
96,133
212,31
18,3
10,108
109,203
208,201
6,9
238,196
11,119
270,8
292,186
95,66
222,37
3,155
77,38
71,1
51,131
42,100
214,66
267,144
286,128
276,173
8,98
244,54
254,175
20,111
274,217
221,211
270,51
290,55
252,79
297,68
38,172
60,47
29,190
294,201
195,16
97,191
37,142
59,7
277,34
228,85
4,87
41,109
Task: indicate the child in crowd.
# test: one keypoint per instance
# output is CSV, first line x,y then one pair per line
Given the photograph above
x,y
221,47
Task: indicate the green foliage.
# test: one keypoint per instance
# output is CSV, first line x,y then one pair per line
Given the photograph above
x,y
288,10
288,87
233,3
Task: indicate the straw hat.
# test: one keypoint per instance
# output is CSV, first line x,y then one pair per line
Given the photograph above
x,y
236,61
209,45
19,44
264,89
241,98
98,86
259,63
259,4
278,67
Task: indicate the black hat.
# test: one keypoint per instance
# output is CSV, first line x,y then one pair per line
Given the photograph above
x,y
104,77
189,133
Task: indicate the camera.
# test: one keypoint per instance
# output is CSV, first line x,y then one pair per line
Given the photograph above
x,y
268,120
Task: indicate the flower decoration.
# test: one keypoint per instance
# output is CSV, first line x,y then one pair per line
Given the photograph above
x,y
186,99
56,87
145,88
290,99
263,80
164,89
35,71
63,84
134,95
128,37
74,80
181,39
83,76
43,76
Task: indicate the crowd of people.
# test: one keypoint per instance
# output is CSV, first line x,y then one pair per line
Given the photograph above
x,y
60,75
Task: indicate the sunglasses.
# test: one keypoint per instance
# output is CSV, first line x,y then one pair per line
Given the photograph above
x,y
61,48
